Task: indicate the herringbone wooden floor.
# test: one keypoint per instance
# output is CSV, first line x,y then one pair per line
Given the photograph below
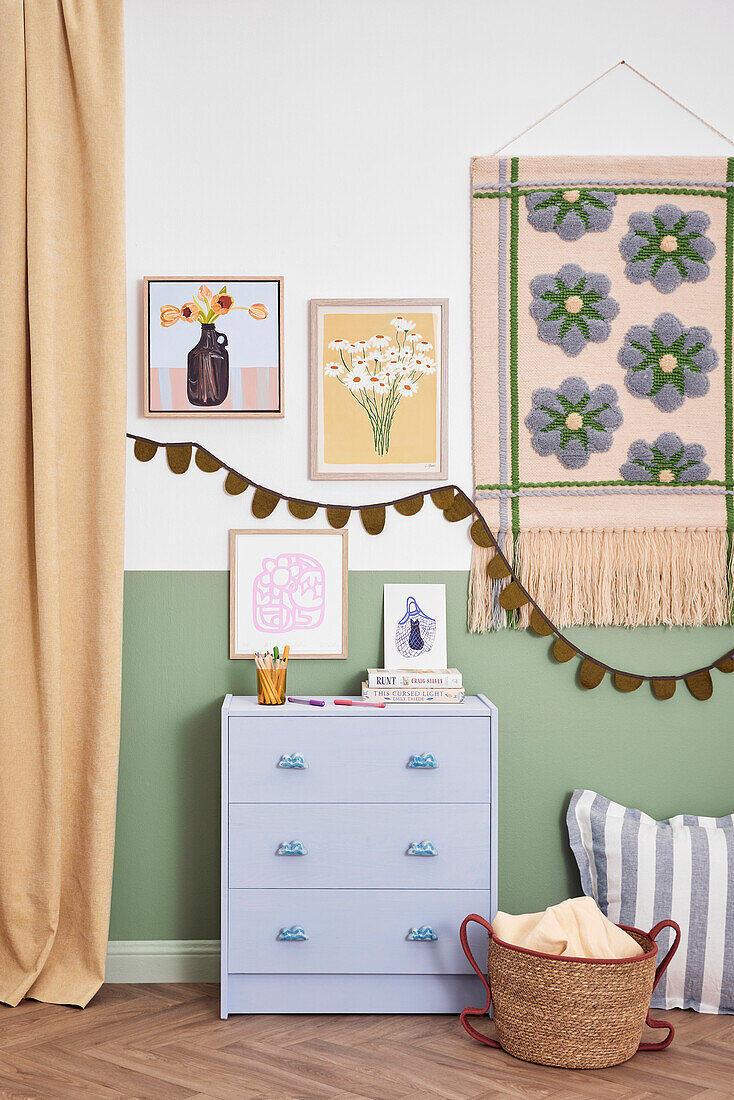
x,y
166,1042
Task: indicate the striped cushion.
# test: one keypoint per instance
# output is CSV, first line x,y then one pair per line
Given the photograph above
x,y
640,871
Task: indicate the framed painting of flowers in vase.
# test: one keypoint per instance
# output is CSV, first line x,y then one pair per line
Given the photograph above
x,y
379,370
213,346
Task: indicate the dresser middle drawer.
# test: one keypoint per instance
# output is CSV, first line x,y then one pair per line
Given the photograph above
x,y
359,845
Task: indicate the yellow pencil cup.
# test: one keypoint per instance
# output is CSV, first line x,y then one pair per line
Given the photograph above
x,y
271,686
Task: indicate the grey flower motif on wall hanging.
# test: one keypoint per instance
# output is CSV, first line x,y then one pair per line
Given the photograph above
x,y
574,421
667,362
667,461
668,246
570,213
572,307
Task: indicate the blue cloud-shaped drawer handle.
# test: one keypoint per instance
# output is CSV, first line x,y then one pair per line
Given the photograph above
x,y
292,760
295,932
425,932
292,848
423,760
422,848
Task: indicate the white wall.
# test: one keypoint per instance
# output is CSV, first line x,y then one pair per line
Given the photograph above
x,y
329,141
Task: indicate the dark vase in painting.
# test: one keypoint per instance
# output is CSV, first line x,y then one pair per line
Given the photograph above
x,y
207,374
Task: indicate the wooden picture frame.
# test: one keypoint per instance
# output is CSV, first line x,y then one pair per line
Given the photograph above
x,y
267,386
362,430
283,635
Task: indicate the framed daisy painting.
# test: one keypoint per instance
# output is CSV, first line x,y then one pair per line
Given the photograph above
x,y
378,388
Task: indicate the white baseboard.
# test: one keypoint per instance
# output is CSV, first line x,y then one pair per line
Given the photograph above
x,y
162,961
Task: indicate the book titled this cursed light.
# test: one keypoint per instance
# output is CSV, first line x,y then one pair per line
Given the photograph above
x,y
412,695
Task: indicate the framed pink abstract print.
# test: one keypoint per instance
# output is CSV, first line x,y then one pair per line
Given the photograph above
x,y
288,588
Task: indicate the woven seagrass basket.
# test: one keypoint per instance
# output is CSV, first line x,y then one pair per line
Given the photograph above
x,y
557,1010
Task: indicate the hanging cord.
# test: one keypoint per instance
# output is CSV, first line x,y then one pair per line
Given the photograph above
x,y
677,102
596,80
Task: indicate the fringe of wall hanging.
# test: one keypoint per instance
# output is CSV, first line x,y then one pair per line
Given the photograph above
x,y
611,578
485,610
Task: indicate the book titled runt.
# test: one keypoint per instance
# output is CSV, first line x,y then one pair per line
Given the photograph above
x,y
413,678
413,694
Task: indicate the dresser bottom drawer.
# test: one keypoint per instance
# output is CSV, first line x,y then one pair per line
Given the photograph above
x,y
350,931
344,993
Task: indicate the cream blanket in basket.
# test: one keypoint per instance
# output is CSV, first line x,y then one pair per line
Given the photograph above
x,y
575,927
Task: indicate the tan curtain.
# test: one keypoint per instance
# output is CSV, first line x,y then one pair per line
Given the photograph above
x,y
62,427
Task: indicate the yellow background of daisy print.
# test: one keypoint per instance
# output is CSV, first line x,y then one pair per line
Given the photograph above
x,y
347,430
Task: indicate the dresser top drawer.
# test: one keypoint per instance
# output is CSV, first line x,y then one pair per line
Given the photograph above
x,y
393,760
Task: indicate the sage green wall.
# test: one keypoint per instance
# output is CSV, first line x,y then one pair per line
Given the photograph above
x,y
663,757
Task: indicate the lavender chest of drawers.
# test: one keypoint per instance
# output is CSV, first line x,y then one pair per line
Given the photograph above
x,y
354,842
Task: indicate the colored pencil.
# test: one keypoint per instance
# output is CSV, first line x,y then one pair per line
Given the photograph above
x,y
357,703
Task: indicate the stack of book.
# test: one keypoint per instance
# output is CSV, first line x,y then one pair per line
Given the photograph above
x,y
413,685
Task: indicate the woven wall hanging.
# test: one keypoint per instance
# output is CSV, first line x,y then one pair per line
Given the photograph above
x,y
602,328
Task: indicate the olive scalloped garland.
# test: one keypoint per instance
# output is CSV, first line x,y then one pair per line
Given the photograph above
x,y
455,506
